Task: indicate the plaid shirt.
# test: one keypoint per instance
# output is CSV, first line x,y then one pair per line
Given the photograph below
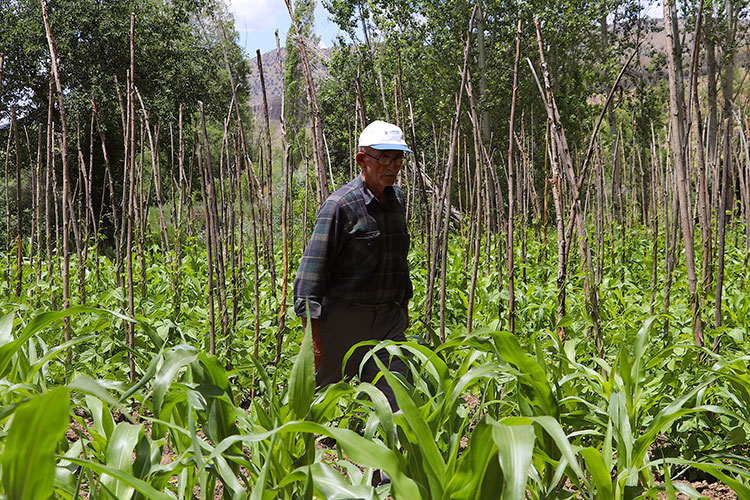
x,y
357,252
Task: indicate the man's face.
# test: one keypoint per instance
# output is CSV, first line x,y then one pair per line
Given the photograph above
x,y
376,175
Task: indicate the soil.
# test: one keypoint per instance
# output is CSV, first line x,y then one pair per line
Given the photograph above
x,y
711,491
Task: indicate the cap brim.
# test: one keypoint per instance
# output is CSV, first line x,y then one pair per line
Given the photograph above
x,y
397,147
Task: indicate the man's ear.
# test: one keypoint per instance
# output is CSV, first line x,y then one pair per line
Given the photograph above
x,y
360,158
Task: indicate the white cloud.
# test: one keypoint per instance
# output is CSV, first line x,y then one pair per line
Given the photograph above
x,y
256,15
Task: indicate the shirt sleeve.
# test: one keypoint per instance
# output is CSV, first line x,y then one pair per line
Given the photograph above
x,y
311,281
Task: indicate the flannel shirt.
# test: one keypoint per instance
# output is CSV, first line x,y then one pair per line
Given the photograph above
x,y
357,252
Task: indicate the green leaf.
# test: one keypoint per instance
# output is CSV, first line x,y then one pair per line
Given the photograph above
x,y
555,431
6,325
716,470
104,424
564,322
330,484
174,359
362,451
302,379
533,379
28,458
120,456
87,385
121,476
471,473
600,474
516,446
434,464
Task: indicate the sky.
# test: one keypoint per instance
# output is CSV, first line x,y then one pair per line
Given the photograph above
x,y
256,21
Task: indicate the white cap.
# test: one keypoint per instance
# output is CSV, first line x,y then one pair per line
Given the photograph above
x,y
382,135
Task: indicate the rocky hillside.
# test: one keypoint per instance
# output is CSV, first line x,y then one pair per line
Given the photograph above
x,y
273,72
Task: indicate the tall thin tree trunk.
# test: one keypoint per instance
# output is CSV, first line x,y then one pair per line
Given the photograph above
x,y
253,198
47,190
182,181
445,198
575,182
449,176
38,212
477,214
130,159
654,222
702,187
711,92
6,252
156,178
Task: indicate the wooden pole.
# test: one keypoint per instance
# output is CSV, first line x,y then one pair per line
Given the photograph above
x,y
511,192
19,207
314,113
204,164
445,199
64,152
269,180
284,216
677,121
130,160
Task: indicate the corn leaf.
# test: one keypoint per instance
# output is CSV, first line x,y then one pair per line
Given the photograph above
x,y
330,484
600,474
28,458
302,378
516,447
119,456
174,359
123,477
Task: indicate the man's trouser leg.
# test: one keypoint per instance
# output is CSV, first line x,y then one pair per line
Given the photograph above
x,y
343,326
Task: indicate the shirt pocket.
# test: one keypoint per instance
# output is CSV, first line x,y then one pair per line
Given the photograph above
x,y
366,251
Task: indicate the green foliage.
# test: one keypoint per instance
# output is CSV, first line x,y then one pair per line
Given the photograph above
x,y
486,415
168,48
28,460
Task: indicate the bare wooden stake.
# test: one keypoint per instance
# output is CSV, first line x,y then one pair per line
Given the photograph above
x,y
284,218
511,193
65,215
677,122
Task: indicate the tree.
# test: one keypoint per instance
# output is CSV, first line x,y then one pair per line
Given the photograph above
x,y
177,61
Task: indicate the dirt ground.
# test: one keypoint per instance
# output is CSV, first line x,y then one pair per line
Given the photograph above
x,y
711,491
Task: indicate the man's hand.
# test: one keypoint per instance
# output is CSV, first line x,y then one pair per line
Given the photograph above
x,y
317,341
405,307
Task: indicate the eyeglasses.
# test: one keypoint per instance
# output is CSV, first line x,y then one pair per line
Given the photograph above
x,y
384,161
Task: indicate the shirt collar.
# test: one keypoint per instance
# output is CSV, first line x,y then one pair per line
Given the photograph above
x,y
367,194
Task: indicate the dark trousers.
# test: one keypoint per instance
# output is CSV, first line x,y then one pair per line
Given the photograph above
x,y
344,325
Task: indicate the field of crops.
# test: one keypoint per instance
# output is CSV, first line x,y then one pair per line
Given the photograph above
x,y
485,415
578,203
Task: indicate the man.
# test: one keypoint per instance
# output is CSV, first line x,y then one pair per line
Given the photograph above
x,y
353,275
